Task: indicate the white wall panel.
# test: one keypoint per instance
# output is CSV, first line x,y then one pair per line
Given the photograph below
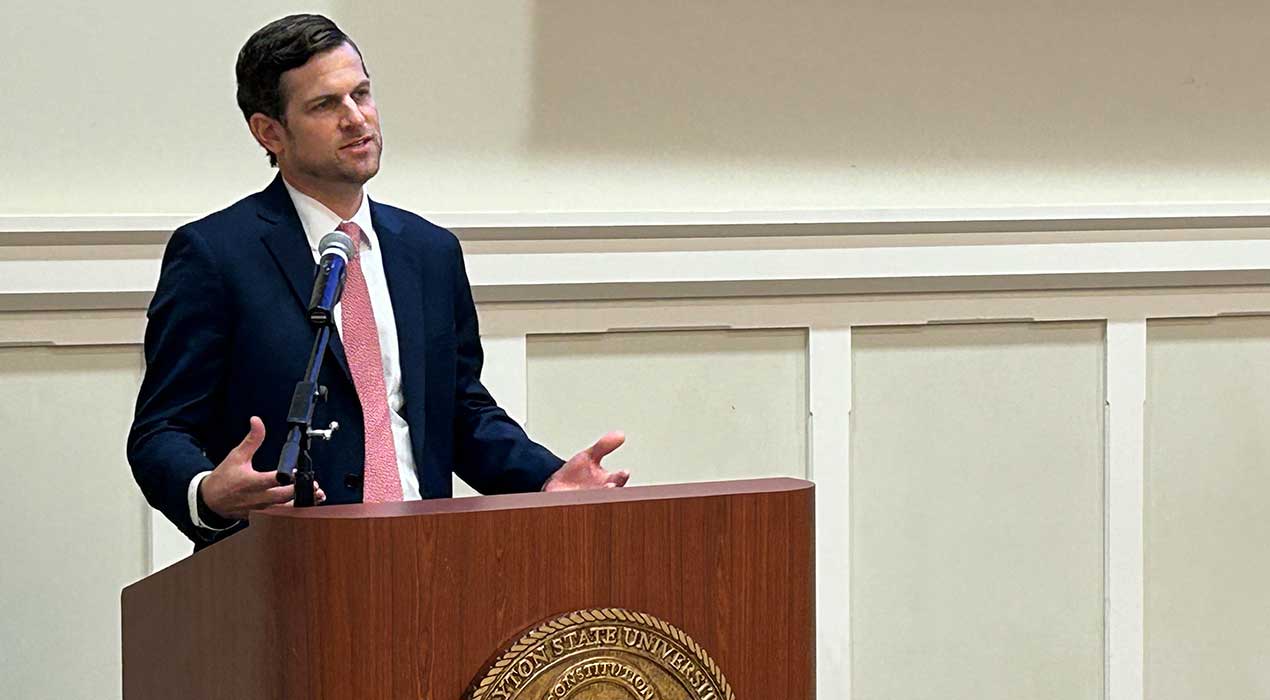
x,y
977,555
652,362
76,527
1207,519
695,405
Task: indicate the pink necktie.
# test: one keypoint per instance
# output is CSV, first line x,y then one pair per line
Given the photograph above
x,y
381,482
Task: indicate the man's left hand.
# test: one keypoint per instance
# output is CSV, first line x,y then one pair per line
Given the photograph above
x,y
583,471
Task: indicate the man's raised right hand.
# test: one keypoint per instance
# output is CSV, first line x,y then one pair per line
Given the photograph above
x,y
234,488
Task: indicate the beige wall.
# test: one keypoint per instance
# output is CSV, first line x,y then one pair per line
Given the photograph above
x,y
1207,602
611,107
694,405
970,512
493,105
977,513
76,530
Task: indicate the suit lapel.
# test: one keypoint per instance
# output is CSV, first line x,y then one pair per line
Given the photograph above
x,y
284,238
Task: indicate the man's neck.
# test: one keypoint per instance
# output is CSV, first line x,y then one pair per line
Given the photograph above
x,y
344,202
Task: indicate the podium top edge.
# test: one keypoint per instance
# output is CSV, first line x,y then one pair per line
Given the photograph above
x,y
522,501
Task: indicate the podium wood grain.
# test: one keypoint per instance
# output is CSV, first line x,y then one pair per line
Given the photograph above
x,y
411,600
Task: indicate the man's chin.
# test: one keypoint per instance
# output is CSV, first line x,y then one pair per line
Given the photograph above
x,y
360,175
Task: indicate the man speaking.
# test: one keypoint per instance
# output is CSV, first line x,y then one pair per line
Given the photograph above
x,y
228,333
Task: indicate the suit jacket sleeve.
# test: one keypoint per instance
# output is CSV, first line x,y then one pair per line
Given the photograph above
x,y
492,452
185,350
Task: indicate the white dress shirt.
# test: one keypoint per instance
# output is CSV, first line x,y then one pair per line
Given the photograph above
x,y
318,221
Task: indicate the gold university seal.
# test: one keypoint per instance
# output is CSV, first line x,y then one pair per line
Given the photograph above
x,y
606,654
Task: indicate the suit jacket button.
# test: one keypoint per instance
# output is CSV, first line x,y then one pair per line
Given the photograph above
x,y
352,482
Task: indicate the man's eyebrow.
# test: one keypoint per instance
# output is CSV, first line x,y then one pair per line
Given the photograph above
x,y
320,98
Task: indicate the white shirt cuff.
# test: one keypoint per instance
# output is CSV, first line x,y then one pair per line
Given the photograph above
x,y
191,496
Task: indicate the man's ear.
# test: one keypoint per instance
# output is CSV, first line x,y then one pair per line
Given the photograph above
x,y
268,132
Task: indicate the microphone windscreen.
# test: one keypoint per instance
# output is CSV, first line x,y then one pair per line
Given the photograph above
x,y
336,242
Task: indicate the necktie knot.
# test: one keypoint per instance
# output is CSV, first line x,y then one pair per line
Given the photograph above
x,y
356,233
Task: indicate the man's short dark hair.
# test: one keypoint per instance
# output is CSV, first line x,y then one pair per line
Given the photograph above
x,y
276,48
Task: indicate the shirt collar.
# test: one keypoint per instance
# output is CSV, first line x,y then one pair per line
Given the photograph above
x,y
318,220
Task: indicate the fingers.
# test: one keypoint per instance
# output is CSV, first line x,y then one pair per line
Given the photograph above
x,y
617,479
276,495
262,480
255,436
319,495
608,443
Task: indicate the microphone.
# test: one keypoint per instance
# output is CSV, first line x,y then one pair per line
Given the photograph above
x,y
336,249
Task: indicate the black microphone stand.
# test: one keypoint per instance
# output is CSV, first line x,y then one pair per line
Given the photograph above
x,y
294,464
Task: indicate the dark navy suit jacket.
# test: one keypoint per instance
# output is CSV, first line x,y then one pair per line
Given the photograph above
x,y
228,338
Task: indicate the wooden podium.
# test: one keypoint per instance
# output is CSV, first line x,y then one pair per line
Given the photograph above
x,y
416,600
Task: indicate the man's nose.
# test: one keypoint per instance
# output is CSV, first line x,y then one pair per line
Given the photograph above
x,y
353,113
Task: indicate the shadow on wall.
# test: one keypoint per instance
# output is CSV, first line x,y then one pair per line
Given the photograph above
x,y
867,81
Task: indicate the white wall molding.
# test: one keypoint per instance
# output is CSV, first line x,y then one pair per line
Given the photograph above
x,y
71,263
872,310
126,326
829,429
1114,216
11,224
1125,445
898,269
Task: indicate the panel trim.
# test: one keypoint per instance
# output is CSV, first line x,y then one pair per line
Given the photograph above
x,y
71,263
1189,215
1125,435
829,425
